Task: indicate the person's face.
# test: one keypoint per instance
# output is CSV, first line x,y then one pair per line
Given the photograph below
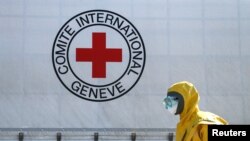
x,y
171,103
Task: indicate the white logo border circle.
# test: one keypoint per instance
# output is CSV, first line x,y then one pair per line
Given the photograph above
x,y
133,83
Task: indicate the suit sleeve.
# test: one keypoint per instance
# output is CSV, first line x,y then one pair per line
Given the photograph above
x,y
203,132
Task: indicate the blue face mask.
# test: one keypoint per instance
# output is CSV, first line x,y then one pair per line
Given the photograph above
x,y
171,103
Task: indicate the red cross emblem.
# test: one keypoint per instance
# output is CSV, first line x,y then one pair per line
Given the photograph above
x,y
99,55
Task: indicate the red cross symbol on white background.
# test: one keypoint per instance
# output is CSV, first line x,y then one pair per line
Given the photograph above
x,y
99,55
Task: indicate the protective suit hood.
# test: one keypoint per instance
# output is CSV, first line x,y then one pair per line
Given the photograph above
x,y
190,97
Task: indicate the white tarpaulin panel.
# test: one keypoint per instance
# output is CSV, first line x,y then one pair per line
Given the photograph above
x,y
204,42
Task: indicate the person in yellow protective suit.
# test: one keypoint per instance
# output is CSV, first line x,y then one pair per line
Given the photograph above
x,y
182,99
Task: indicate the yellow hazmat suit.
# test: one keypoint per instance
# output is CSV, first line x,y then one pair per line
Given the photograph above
x,y
193,122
